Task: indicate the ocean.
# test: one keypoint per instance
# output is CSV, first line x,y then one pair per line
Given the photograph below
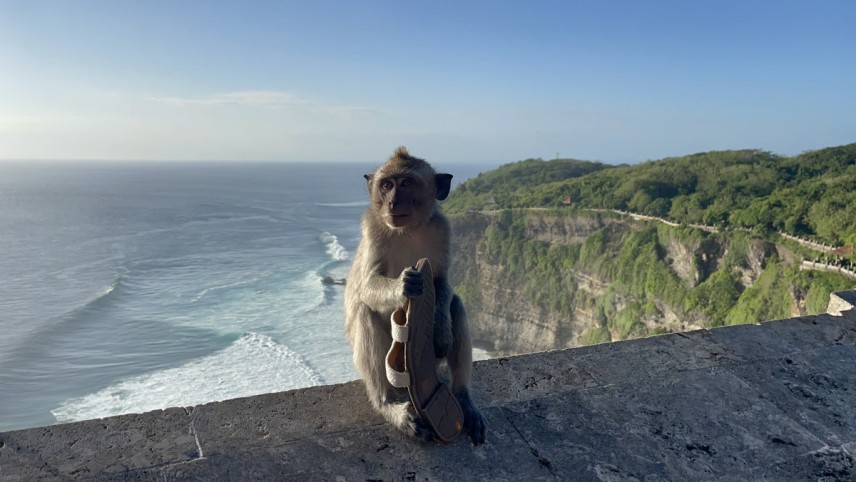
x,y
128,287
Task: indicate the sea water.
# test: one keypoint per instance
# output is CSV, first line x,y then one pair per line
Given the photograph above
x,y
128,287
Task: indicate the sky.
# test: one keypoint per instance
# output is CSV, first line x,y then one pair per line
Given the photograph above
x,y
458,81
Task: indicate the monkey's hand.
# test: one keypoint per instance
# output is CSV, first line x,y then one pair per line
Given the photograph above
x,y
410,283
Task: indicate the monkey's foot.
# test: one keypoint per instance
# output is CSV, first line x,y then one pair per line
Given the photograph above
x,y
432,399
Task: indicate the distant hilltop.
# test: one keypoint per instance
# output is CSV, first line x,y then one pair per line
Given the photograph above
x,y
809,195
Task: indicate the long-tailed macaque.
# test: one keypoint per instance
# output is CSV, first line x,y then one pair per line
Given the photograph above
x,y
403,224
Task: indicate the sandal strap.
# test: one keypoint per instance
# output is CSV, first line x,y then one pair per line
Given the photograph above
x,y
399,332
396,378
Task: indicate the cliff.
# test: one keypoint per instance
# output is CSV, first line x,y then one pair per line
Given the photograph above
x,y
770,401
540,279
573,253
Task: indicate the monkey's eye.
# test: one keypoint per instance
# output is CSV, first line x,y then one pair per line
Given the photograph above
x,y
386,185
407,182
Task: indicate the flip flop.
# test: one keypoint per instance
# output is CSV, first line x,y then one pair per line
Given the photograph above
x,y
413,330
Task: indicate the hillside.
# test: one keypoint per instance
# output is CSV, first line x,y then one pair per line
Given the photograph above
x,y
547,277
504,186
810,195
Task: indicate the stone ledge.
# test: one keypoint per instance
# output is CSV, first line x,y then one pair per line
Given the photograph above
x,y
775,400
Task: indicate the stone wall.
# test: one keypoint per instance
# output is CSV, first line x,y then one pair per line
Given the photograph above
x,y
770,401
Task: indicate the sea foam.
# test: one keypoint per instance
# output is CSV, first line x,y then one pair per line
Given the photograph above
x,y
334,249
252,365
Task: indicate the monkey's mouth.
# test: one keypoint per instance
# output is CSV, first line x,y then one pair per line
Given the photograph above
x,y
397,220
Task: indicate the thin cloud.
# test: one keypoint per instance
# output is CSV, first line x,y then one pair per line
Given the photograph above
x,y
350,111
251,98
269,99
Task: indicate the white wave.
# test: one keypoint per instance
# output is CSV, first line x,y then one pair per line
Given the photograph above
x,y
106,290
225,286
479,354
252,365
334,249
102,293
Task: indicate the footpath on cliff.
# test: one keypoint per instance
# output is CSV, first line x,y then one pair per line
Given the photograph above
x,y
771,401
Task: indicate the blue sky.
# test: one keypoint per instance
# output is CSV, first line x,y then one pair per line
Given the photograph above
x,y
469,81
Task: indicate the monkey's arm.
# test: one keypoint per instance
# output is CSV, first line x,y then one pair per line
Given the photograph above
x,y
384,294
442,317
443,294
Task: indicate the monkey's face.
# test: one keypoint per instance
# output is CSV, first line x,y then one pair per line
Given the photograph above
x,y
403,200
405,190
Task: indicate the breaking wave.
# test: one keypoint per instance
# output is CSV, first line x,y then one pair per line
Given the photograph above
x,y
252,365
334,249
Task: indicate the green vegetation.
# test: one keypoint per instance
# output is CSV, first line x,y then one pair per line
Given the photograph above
x,y
812,194
533,262
747,194
506,185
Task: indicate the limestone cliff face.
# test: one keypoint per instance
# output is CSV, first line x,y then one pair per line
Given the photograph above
x,y
555,229
499,319
504,319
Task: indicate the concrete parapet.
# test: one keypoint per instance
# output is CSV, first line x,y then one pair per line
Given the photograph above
x,y
772,401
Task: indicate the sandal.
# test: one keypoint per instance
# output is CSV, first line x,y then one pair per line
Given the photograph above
x,y
413,334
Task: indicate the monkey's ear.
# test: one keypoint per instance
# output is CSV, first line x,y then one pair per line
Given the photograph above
x,y
444,184
369,181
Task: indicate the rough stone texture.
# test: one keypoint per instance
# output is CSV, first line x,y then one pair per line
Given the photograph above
x,y
564,229
774,401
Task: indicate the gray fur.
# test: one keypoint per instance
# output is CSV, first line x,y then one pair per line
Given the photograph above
x,y
382,277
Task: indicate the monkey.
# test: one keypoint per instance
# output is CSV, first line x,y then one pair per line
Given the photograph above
x,y
402,224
